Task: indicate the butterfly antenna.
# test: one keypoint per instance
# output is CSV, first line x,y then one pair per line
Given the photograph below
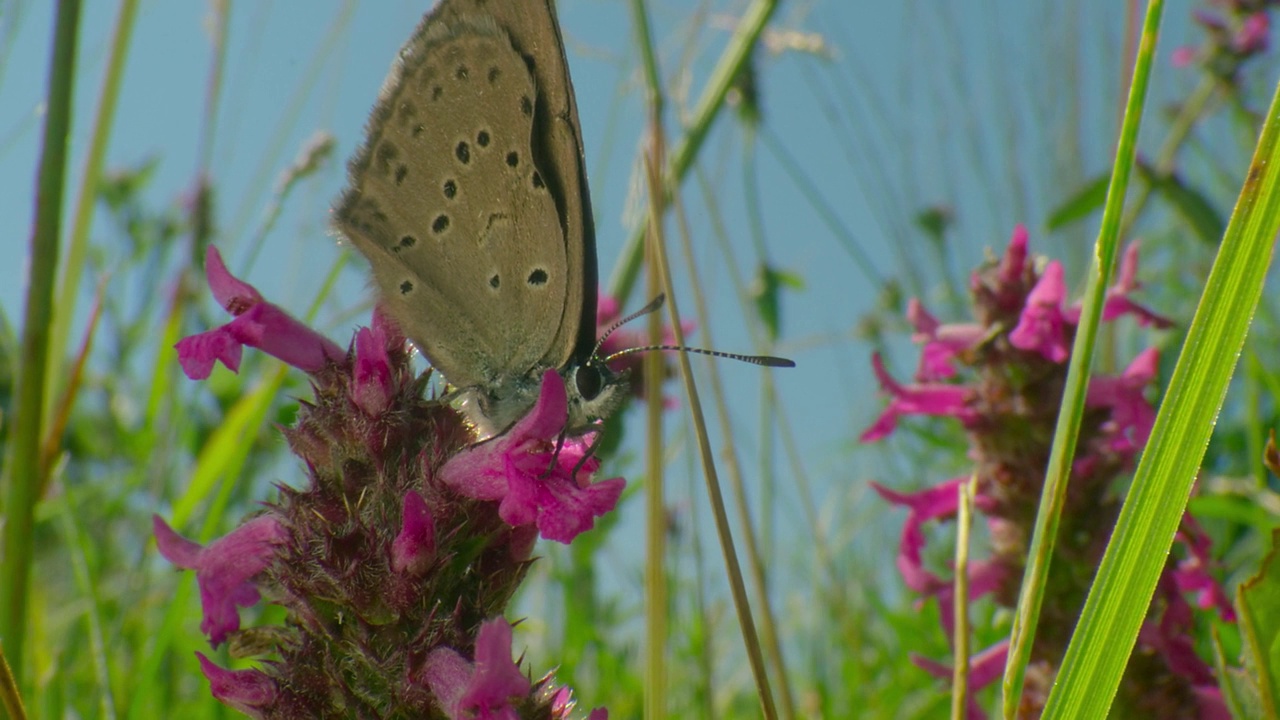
x,y
762,360
653,306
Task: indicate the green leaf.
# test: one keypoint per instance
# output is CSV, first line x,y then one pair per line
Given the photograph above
x,y
1259,602
1239,689
1190,203
1082,204
766,293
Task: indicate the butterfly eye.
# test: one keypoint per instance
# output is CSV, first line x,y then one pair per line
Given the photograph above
x,y
590,382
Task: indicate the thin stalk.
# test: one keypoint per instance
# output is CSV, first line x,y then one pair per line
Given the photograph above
x,y
27,417
733,568
960,662
1067,433
733,468
655,587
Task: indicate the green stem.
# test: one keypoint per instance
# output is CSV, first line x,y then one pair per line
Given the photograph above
x,y
1071,411
22,477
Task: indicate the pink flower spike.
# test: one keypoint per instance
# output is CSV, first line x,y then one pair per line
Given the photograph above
x,y
371,377
249,691
510,469
258,324
485,688
1040,328
415,547
598,714
447,673
1015,257
918,399
224,570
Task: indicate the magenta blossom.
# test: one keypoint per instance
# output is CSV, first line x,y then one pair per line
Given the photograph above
x,y
371,381
1132,417
249,691
939,502
1118,303
257,323
1193,575
1040,328
513,469
480,690
942,342
415,547
224,570
916,399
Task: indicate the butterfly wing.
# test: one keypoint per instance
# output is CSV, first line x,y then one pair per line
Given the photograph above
x,y
557,147
475,230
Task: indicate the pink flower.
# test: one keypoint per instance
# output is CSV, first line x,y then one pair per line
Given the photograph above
x,y
1040,328
939,502
916,399
224,570
415,547
984,668
1132,417
257,324
1193,575
941,342
249,691
511,470
1014,262
1117,303
483,689
371,381
1253,35
1171,636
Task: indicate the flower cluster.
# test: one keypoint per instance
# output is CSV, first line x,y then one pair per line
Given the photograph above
x,y
1014,360
396,560
1237,31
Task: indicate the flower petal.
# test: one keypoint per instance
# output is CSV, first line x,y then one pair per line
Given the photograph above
x,y
516,469
249,691
415,547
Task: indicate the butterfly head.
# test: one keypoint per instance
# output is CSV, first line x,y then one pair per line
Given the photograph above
x,y
593,392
